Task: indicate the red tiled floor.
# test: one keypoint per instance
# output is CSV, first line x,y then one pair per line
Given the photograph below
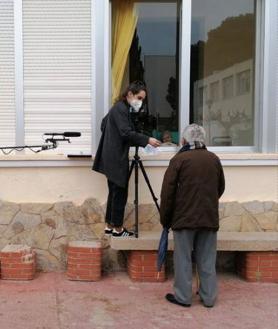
x,y
53,302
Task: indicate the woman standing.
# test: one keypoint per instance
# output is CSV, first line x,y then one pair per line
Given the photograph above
x,y
118,134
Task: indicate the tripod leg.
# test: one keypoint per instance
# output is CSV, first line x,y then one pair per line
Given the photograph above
x,y
136,202
134,164
149,184
131,168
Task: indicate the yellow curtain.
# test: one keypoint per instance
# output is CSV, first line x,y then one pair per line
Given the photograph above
x,y
124,25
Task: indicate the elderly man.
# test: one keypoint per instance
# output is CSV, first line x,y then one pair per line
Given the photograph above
x,y
192,186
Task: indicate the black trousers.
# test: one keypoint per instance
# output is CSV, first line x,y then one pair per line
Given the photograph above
x,y
116,202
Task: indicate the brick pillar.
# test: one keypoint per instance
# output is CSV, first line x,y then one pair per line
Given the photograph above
x,y
17,262
142,266
258,266
84,260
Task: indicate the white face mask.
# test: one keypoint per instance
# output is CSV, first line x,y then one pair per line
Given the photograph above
x,y
136,104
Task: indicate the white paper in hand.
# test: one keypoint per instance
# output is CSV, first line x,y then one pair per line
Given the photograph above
x,y
150,150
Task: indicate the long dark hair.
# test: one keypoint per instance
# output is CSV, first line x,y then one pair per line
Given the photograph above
x,y
135,87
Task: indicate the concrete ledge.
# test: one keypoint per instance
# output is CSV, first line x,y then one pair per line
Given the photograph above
x,y
85,244
249,158
16,248
226,241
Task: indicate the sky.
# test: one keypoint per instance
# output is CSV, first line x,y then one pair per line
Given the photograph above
x,y
209,14
157,22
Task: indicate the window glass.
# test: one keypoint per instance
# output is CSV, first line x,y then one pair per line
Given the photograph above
x,y
222,58
154,59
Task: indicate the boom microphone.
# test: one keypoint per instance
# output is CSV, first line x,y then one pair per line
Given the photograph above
x,y
65,134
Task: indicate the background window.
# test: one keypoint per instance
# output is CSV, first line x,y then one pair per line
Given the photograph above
x,y
228,87
214,91
243,82
223,56
203,96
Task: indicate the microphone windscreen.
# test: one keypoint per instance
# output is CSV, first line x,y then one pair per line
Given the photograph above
x,y
72,134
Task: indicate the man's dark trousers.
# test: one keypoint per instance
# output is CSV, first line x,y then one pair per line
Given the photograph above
x,y
204,244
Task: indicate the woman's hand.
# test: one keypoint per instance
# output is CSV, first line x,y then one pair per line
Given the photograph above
x,y
154,142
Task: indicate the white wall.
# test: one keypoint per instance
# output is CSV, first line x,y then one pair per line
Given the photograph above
x,y
53,184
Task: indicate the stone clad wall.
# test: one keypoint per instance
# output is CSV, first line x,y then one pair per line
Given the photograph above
x,y
249,216
49,227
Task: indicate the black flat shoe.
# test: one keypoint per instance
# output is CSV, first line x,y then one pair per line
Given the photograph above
x,y
108,231
172,299
123,233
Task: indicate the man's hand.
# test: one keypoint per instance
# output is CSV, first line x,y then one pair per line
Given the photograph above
x,y
154,142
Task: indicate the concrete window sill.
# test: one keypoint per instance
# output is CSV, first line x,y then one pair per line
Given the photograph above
x,y
159,160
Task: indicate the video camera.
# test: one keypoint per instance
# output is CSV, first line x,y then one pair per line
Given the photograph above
x,y
143,122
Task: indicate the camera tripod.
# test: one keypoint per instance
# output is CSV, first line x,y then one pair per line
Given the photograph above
x,y
136,163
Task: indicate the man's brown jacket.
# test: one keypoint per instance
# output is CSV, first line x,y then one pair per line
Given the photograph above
x,y
192,185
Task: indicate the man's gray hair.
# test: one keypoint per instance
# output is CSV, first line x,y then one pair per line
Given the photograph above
x,y
194,133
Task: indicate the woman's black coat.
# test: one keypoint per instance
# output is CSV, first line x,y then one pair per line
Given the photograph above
x,y
118,134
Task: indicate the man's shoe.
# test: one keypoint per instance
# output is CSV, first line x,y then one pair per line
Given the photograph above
x,y
207,305
123,233
172,299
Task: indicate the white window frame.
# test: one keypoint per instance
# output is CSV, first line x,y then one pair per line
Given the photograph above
x,y
267,119
185,85
266,53
18,45
101,59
